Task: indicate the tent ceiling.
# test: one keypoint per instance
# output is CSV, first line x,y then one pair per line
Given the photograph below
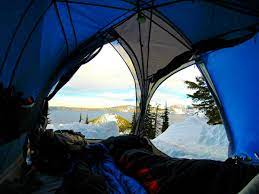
x,y
153,45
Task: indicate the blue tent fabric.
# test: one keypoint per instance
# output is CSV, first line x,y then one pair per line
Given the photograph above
x,y
205,20
234,72
42,51
48,32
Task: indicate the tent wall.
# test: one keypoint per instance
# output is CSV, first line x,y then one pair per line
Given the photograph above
x,y
209,19
235,74
37,37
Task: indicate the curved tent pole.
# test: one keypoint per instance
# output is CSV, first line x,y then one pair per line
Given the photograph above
x,y
72,23
152,21
138,81
134,54
154,86
135,81
62,26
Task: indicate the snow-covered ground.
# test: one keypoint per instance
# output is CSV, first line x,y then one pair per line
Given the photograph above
x,y
194,138
90,131
188,137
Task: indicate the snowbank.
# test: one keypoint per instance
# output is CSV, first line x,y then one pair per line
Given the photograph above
x,y
194,138
188,138
91,131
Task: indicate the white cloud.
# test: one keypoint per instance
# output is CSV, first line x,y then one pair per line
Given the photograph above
x,y
176,86
107,81
114,96
176,81
89,102
170,99
107,71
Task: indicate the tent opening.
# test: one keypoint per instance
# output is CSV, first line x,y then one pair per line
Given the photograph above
x,y
186,120
99,100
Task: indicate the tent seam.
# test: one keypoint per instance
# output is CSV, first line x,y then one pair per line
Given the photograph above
x,y
14,34
149,37
26,43
62,27
185,45
72,23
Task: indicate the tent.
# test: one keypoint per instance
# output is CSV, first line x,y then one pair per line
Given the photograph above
x,y
43,43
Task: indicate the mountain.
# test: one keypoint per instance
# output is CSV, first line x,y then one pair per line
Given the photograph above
x,y
122,108
123,124
176,109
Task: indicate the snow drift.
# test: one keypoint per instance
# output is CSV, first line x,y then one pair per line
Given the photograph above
x,y
90,131
194,138
191,137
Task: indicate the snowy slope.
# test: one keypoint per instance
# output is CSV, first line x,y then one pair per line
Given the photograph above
x,y
107,118
194,138
123,124
91,131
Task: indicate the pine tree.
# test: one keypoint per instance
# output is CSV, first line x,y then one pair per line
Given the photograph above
x,y
149,123
86,120
133,123
203,100
165,118
157,123
80,118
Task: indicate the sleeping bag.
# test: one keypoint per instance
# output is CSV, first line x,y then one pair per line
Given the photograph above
x,y
161,174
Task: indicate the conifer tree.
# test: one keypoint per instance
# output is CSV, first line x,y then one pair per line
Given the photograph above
x,y
157,122
86,120
203,100
149,123
165,118
80,118
133,123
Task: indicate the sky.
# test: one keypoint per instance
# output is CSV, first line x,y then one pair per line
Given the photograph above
x,y
106,81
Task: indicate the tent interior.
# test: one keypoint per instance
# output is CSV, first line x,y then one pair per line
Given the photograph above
x,y
43,43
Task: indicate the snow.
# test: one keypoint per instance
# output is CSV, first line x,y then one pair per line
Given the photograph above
x,y
187,137
90,131
194,138
179,111
107,118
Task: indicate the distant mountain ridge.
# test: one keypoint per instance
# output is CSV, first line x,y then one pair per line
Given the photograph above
x,y
176,109
122,108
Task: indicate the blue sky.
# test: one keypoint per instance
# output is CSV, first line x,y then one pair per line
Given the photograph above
x,y
106,81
